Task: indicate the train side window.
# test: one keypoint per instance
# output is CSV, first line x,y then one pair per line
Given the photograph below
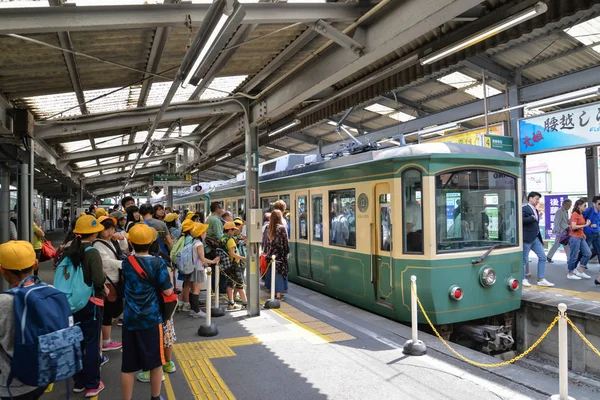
x,y
412,212
342,218
385,240
317,218
302,218
241,211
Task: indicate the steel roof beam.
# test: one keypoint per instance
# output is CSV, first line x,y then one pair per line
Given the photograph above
x,y
398,24
402,102
121,175
103,191
303,137
44,19
497,71
161,36
123,163
278,148
339,37
134,117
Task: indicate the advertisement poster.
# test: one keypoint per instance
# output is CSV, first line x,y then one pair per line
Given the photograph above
x,y
551,206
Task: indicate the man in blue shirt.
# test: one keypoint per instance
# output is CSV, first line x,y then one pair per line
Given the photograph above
x,y
592,232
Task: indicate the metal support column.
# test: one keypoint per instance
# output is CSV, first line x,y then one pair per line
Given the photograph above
x,y
79,201
5,206
591,165
32,190
24,210
170,196
252,196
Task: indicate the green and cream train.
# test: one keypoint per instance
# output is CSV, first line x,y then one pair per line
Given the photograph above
x,y
361,225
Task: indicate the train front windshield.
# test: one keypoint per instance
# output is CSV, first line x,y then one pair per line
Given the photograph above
x,y
475,208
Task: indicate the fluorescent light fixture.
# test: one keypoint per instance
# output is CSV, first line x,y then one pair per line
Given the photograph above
x,y
565,98
274,149
226,155
37,170
434,130
333,123
284,127
395,142
211,39
537,9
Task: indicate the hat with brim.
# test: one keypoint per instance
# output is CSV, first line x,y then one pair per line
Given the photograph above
x,y
187,225
100,212
198,229
87,225
238,221
104,218
17,255
170,217
118,215
189,215
230,225
142,234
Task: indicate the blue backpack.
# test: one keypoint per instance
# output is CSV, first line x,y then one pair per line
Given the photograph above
x,y
69,280
185,261
161,243
47,344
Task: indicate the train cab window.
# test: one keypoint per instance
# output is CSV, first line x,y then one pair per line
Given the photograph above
x,y
412,211
475,209
342,218
317,218
302,218
241,211
266,203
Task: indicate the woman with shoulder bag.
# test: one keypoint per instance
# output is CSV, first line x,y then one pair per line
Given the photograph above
x,y
275,243
111,264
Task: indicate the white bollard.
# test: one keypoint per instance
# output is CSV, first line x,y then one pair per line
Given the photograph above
x,y
208,329
414,346
217,311
563,356
272,303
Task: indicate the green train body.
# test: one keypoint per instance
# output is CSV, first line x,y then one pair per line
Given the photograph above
x,y
381,193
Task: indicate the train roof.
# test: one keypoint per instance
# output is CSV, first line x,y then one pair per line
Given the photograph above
x,y
424,150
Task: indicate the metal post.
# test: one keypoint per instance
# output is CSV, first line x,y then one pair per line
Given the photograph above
x,y
208,329
217,311
5,206
414,346
24,210
170,196
485,103
31,188
591,165
272,303
252,203
563,356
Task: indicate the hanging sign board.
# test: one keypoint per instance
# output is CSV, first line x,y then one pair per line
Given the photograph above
x,y
172,180
474,137
559,130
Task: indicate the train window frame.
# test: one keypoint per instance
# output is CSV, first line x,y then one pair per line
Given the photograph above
x,y
317,217
332,231
302,217
405,230
485,183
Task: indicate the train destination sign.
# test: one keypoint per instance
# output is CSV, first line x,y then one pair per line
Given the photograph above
x,y
172,180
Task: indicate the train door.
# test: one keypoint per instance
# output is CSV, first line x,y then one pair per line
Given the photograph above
x,y
382,276
303,251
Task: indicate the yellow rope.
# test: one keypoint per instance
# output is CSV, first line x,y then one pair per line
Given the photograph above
x,y
502,364
594,349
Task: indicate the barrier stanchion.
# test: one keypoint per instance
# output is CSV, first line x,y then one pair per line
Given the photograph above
x,y
208,329
273,302
217,311
563,356
414,346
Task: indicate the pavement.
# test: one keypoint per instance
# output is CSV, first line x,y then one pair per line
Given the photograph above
x,y
556,272
316,347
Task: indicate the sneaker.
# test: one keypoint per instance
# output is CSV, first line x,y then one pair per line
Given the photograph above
x,y
582,275
94,392
237,299
232,307
103,359
544,282
120,323
169,367
526,283
186,307
574,277
244,306
549,260
144,376
78,390
111,345
199,314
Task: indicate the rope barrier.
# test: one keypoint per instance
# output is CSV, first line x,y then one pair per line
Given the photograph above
x,y
586,341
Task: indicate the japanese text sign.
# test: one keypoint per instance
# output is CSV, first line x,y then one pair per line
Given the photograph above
x,y
572,128
552,203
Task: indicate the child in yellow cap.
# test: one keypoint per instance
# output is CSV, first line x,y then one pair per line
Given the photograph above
x,y
198,233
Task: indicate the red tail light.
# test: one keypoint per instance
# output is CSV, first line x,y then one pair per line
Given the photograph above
x,y
513,284
456,293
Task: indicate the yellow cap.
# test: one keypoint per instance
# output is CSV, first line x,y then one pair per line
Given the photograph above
x,y
230,225
142,234
170,217
238,221
87,224
104,218
17,255
198,229
189,215
187,225
101,212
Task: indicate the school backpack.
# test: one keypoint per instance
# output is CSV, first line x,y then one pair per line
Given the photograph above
x,y
69,280
177,248
185,263
47,343
161,243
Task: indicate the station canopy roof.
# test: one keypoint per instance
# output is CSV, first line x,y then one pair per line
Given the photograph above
x,y
94,73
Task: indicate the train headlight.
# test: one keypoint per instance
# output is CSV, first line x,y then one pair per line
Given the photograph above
x,y
456,292
487,276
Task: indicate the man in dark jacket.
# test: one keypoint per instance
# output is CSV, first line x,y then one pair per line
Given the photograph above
x,y
532,239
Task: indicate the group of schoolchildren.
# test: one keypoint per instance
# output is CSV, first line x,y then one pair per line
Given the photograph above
x,y
110,266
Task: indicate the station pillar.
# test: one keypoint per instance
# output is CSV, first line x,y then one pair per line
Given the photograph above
x,y
5,205
591,165
25,205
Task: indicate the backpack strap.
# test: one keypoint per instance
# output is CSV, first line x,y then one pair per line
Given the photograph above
x,y
107,245
138,269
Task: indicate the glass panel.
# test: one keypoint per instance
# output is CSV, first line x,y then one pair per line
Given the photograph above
x,y
385,219
266,203
242,209
412,211
479,210
286,199
302,218
317,218
342,221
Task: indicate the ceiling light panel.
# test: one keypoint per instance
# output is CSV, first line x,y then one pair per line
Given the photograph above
x,y
457,80
109,160
587,32
119,100
48,105
477,91
83,164
219,88
89,174
77,145
379,109
401,116
110,141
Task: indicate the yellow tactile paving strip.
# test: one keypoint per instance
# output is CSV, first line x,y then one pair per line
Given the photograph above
x,y
590,295
202,377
